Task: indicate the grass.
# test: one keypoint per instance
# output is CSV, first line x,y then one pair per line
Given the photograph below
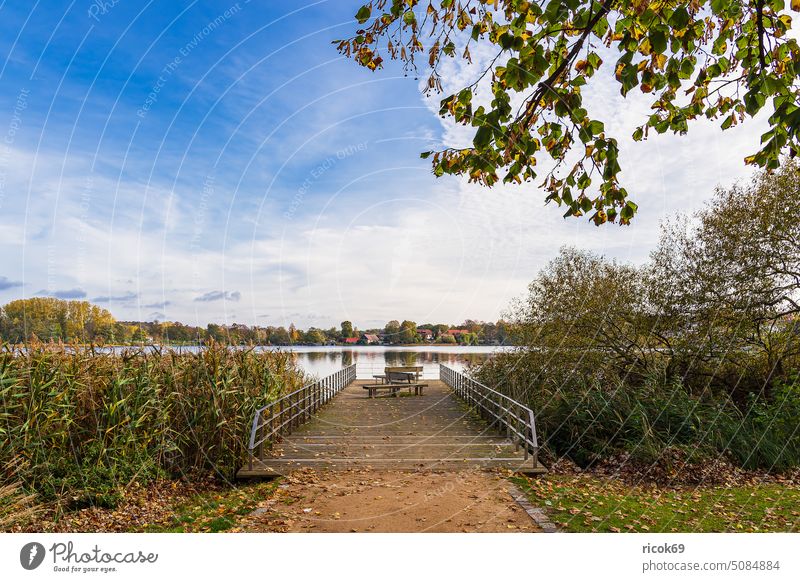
x,y
591,504
216,511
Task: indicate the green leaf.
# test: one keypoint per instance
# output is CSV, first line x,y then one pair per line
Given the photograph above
x,y
658,40
363,14
728,122
482,137
679,18
596,127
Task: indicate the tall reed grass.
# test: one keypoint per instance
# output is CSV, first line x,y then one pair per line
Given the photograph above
x,y
84,423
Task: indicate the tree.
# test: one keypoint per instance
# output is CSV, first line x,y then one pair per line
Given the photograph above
x,y
439,329
728,287
347,329
408,332
216,333
392,331
584,312
48,318
294,335
280,337
314,336
720,59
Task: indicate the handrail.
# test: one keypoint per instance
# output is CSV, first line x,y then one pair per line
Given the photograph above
x,y
511,417
281,416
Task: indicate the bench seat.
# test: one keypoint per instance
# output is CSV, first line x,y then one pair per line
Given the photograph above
x,y
394,388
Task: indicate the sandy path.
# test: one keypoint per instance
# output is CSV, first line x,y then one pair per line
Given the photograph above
x,y
390,501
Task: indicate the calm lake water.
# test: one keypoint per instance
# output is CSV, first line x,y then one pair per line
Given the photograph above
x,y
369,360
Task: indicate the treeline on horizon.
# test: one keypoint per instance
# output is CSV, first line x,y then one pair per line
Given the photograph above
x,y
51,319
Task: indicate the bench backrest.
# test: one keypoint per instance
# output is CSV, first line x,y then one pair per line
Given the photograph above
x,y
403,369
396,376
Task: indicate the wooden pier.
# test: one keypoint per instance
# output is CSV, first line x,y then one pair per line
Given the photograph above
x,y
434,432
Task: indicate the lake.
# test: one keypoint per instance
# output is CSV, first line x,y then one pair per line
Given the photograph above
x,y
323,360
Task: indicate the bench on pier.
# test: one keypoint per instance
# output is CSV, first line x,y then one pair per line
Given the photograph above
x,y
399,374
416,371
393,387
397,378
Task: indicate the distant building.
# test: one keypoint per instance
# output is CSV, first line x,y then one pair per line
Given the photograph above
x,y
351,340
370,338
425,334
457,332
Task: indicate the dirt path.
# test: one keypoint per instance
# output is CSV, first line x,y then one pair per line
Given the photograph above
x,y
363,500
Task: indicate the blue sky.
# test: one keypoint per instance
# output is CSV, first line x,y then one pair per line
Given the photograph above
x,y
217,161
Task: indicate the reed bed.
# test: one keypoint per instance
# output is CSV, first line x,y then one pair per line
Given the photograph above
x,y
79,424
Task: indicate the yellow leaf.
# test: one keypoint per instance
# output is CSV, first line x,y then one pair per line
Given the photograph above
x,y
796,5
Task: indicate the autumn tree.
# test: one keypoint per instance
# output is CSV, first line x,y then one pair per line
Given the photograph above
x,y
727,286
718,59
49,318
314,336
279,337
392,331
408,332
347,329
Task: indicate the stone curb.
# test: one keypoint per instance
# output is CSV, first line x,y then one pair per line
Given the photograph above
x,y
537,514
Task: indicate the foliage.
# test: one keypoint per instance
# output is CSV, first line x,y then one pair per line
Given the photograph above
x,y
698,349
86,423
718,59
408,332
726,288
50,318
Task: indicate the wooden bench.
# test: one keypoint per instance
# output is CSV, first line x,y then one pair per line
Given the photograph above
x,y
416,370
392,388
394,381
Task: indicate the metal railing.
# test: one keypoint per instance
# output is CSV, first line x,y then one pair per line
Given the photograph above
x,y
282,416
509,416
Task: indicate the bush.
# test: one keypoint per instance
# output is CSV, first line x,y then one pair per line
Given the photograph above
x,y
587,419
